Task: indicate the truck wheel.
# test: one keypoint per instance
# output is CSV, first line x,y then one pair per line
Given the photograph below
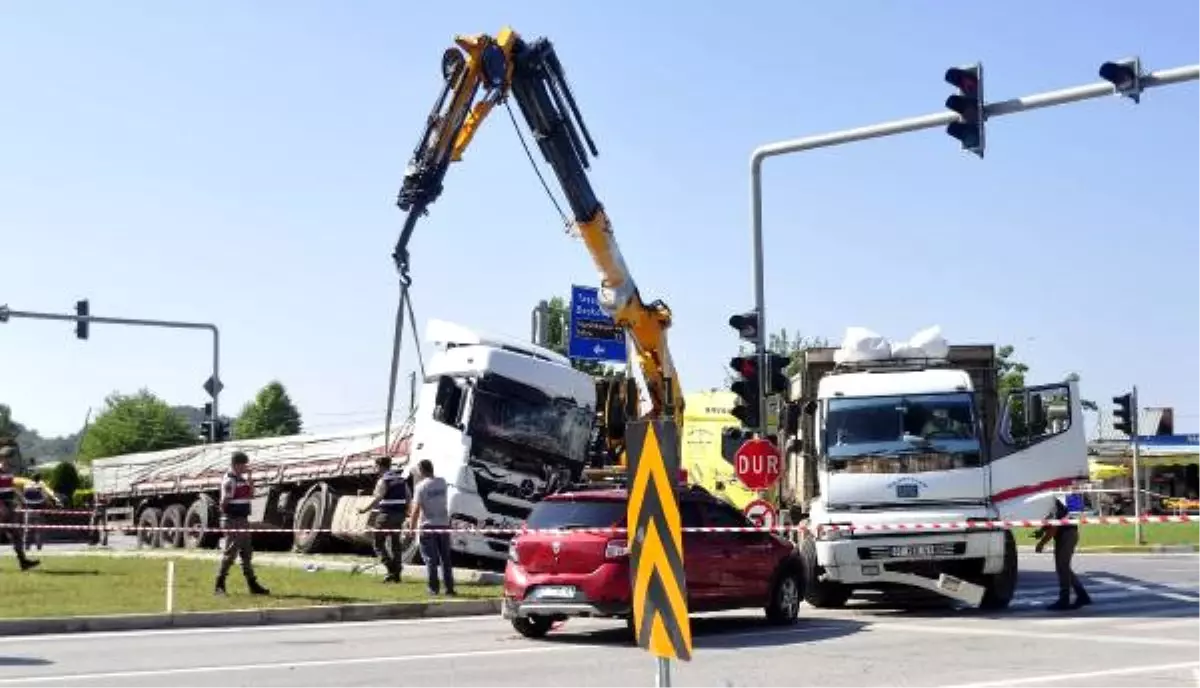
x,y
148,522
783,607
818,593
172,523
533,626
999,588
310,526
198,525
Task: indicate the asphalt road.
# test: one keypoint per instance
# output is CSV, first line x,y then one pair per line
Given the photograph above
x,y
1142,630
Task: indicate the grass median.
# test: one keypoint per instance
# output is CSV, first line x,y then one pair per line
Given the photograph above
x,y
1122,535
66,586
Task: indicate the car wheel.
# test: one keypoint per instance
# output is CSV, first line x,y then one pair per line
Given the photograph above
x,y
786,593
533,626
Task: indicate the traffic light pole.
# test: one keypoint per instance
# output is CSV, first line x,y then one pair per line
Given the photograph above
x,y
1137,460
1013,106
6,313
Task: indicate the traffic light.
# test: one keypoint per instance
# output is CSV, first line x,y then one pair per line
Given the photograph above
x,y
745,386
206,425
1123,414
968,103
777,382
1125,76
82,310
746,324
223,430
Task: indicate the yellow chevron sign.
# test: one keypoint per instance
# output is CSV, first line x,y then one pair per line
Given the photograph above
x,y
660,615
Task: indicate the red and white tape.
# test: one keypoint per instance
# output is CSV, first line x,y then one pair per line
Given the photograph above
x,y
955,526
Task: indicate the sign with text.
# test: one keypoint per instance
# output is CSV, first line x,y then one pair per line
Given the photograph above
x,y
593,335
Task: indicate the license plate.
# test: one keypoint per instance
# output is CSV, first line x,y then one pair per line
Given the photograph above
x,y
906,491
914,550
555,592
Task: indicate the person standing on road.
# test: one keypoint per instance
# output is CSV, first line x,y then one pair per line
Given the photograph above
x,y
1066,538
36,498
431,511
390,502
9,498
236,493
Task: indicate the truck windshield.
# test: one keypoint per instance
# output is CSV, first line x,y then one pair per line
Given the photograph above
x,y
903,426
554,426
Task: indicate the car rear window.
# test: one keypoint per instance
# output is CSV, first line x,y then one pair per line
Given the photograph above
x,y
577,514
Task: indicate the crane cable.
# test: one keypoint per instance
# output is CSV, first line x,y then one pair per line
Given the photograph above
x,y
537,170
403,306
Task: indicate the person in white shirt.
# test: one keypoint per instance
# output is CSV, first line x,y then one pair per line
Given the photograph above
x,y
430,516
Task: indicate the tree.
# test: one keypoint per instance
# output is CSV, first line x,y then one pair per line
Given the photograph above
x,y
64,479
271,414
558,322
1010,374
8,426
135,423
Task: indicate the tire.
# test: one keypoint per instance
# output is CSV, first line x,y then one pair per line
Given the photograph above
x,y
999,588
172,521
787,591
313,516
199,523
148,522
533,626
818,593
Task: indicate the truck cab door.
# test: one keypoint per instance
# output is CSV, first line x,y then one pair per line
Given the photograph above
x,y
1039,446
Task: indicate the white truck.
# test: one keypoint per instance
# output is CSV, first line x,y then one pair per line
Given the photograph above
x,y
877,438
504,421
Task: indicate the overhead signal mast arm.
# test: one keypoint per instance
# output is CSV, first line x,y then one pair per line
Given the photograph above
x,y
532,75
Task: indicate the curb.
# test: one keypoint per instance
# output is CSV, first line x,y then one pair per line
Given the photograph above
x,y
465,576
1123,549
251,617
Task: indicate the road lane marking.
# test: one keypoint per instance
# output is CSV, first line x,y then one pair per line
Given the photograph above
x,y
84,636
267,666
1133,587
1055,678
1014,633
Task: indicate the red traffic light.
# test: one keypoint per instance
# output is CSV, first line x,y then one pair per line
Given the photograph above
x,y
965,79
746,366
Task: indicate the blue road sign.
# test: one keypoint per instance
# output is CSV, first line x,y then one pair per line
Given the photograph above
x,y
593,334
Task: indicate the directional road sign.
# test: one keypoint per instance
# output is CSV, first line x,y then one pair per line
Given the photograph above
x,y
660,615
757,464
761,513
593,334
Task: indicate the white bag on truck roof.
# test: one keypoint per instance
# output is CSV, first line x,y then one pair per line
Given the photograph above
x,y
928,343
861,344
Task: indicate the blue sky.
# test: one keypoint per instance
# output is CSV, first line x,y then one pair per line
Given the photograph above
x,y
238,163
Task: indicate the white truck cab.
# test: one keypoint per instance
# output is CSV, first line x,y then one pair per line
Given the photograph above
x,y
894,442
505,422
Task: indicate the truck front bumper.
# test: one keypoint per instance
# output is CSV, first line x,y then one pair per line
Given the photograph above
x,y
914,560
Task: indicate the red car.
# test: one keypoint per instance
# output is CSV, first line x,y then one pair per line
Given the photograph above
x,y
552,576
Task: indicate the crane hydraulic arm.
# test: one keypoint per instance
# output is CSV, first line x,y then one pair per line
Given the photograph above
x,y
483,71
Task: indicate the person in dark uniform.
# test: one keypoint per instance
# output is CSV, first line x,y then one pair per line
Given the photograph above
x,y
1066,538
237,491
9,499
390,504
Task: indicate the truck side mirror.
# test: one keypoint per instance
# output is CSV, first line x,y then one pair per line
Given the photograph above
x,y
446,400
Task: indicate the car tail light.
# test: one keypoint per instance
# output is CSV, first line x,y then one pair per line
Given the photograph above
x,y
615,549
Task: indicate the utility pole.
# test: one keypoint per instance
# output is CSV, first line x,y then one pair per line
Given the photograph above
x,y
83,320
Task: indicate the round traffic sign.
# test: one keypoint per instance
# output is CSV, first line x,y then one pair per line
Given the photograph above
x,y
761,513
757,464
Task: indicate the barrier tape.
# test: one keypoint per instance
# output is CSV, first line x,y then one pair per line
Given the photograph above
x,y
950,526
55,512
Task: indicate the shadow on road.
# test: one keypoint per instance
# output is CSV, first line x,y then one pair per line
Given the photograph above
x,y
23,661
724,632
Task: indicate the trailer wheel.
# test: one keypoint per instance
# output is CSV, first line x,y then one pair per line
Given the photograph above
x,y
198,524
148,522
818,593
314,513
172,524
999,588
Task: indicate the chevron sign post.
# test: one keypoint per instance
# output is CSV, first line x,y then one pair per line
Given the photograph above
x,y
660,615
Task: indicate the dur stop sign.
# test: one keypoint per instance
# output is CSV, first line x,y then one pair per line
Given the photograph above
x,y
757,464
